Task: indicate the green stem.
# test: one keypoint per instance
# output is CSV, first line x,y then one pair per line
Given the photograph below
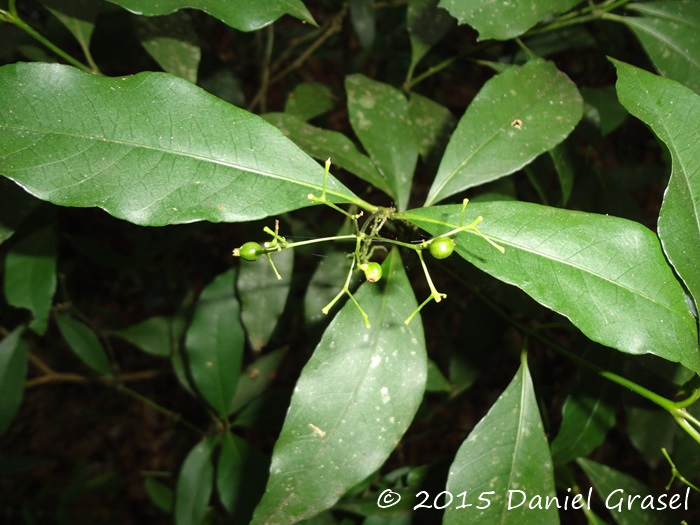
x,y
13,18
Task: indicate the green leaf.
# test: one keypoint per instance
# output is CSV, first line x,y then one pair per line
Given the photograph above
x,y
436,381
673,114
432,125
353,401
363,21
504,459
78,16
325,144
243,15
15,206
565,171
150,148
240,476
324,284
616,489
650,430
309,100
380,117
587,417
194,484
517,115
172,42
214,343
263,296
603,108
426,24
607,275
30,275
504,20
153,336
670,34
84,343
160,494
256,379
14,356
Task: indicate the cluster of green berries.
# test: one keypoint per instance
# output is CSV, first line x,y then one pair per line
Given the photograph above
x,y
440,248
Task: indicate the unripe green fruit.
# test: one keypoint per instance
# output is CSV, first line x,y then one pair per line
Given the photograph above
x,y
250,251
442,247
373,271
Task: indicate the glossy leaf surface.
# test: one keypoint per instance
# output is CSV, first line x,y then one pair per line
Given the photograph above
x,y
380,117
14,355
505,456
517,115
150,148
607,275
673,113
353,401
214,343
84,343
243,15
670,34
30,276
309,100
504,20
195,484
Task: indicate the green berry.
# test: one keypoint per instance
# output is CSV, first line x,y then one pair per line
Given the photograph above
x,y
373,271
250,251
442,247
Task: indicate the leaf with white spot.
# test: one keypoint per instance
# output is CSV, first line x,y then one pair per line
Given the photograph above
x,y
517,115
354,400
504,457
381,119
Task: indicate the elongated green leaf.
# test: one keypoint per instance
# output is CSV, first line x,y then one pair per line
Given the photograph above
x,y
154,335
172,42
160,494
506,461
517,115
214,343
84,343
380,117
618,492
151,148
78,16
309,100
504,20
263,296
240,476
673,113
426,25
243,15
432,126
363,21
325,144
587,417
607,275
30,275
15,206
13,372
354,400
195,484
670,33
257,377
